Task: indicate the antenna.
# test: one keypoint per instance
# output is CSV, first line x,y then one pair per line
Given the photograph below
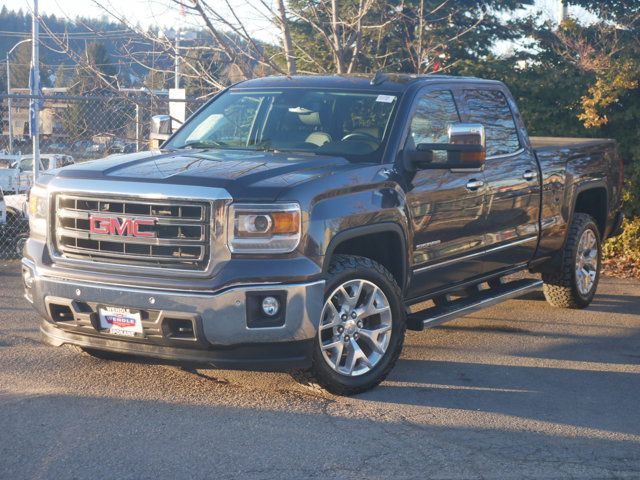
x,y
378,78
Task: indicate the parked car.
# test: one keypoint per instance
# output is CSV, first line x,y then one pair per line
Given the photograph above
x,y
80,145
120,146
3,210
9,174
116,146
14,226
58,147
96,148
306,222
19,176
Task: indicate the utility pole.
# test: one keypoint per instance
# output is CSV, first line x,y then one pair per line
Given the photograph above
x,y
563,11
176,80
35,90
136,91
10,130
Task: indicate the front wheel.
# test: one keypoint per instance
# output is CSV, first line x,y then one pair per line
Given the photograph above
x,y
575,282
361,328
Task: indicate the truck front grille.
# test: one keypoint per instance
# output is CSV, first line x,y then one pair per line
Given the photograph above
x,y
161,234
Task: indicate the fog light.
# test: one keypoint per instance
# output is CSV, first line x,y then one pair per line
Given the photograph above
x,y
27,277
270,306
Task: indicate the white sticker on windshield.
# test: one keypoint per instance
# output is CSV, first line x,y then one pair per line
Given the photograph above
x,y
385,98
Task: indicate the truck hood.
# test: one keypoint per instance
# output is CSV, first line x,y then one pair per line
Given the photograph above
x,y
246,175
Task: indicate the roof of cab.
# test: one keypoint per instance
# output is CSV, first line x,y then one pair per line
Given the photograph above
x,y
391,82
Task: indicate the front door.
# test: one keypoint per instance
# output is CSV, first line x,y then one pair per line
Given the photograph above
x,y
513,186
445,207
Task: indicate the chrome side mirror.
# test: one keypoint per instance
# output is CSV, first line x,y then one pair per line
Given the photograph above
x,y
465,150
473,135
467,134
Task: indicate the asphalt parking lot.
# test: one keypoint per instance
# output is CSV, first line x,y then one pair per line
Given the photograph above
x,y
519,391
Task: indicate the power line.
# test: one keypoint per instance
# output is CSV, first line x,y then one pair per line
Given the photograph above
x,y
76,35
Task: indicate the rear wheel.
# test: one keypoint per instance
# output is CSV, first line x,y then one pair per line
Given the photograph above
x,y
361,328
575,283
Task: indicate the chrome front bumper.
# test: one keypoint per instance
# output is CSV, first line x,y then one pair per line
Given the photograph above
x,y
220,319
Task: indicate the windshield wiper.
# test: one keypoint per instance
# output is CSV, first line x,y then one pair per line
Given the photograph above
x,y
203,144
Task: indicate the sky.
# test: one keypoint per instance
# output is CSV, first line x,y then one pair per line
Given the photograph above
x,y
162,13
145,12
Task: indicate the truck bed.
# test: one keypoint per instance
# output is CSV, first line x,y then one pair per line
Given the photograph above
x,y
541,144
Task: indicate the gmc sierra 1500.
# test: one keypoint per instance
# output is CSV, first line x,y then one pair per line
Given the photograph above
x,y
296,222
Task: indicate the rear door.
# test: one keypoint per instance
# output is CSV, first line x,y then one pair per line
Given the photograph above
x,y
511,174
446,214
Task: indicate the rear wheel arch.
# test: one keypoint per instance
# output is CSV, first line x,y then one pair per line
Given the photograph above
x,y
384,243
593,200
14,212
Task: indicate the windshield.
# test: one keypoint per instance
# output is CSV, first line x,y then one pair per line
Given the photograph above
x,y
350,124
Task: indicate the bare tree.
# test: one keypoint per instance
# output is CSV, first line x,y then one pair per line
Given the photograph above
x,y
286,38
353,35
340,25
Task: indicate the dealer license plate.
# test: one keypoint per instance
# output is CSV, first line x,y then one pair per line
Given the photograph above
x,y
120,321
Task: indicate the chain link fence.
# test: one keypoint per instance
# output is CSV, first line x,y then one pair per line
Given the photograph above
x,y
73,129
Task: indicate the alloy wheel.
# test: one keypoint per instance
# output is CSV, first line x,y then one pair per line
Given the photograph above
x,y
586,262
355,328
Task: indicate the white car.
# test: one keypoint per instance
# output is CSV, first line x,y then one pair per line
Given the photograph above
x,y
18,176
3,209
17,204
14,225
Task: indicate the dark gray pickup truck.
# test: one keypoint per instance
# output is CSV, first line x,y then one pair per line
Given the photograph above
x,y
295,223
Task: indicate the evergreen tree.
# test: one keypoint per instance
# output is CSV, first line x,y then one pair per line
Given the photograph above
x,y
96,74
155,80
19,64
96,77
415,36
61,77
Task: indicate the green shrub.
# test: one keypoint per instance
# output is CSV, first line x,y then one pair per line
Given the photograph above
x,y
631,195
627,245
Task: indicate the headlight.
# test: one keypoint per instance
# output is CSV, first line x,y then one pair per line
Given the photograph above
x,y
38,205
261,228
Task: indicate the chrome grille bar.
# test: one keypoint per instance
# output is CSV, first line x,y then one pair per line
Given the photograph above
x,y
84,234
182,232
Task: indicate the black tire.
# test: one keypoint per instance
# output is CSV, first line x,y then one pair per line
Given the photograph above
x,y
19,246
321,375
561,287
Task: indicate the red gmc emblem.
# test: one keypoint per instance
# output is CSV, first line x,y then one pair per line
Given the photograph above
x,y
124,227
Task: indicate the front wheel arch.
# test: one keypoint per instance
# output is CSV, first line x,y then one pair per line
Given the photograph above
x,y
384,243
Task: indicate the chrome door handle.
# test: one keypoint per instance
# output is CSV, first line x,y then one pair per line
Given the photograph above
x,y
474,184
529,175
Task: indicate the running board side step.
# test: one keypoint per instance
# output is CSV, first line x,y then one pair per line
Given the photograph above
x,y
446,311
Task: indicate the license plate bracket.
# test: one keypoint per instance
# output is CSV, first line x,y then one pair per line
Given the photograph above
x,y
120,321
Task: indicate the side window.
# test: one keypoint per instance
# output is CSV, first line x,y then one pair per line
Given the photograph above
x,y
490,108
26,165
434,113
